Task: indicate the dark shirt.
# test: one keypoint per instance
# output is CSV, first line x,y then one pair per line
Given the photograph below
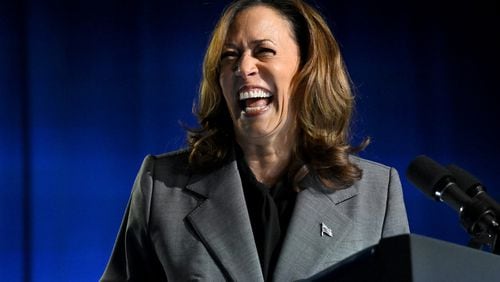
x,y
270,209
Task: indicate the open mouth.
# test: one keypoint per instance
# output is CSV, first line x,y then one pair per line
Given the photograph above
x,y
255,101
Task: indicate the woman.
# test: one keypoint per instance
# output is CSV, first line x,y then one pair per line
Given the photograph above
x,y
268,188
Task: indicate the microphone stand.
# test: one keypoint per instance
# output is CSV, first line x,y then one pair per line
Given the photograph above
x,y
481,223
478,241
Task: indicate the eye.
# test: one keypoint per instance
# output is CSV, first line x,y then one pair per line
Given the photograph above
x,y
265,52
229,55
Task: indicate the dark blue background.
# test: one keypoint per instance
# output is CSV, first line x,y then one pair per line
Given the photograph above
x,y
88,88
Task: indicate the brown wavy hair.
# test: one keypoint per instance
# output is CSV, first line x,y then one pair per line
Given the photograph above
x,y
322,96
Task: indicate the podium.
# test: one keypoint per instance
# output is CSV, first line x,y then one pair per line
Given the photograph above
x,y
413,257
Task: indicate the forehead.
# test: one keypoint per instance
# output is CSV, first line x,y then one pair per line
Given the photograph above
x,y
259,22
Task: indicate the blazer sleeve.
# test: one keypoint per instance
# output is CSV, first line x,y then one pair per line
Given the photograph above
x,y
133,257
396,220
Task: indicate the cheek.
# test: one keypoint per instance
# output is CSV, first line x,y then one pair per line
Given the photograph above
x,y
222,82
285,82
225,85
286,93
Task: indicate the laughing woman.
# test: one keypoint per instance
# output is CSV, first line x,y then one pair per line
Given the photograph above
x,y
269,188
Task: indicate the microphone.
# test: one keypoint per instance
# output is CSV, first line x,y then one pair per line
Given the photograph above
x,y
473,187
436,182
439,184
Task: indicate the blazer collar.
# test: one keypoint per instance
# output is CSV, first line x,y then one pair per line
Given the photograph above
x,y
306,247
223,223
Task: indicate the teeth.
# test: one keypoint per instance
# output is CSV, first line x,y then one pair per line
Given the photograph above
x,y
252,110
254,93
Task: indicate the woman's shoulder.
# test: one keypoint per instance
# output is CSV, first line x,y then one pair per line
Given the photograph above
x,y
172,157
167,165
368,164
373,170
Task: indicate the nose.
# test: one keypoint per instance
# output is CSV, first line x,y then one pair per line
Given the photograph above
x,y
246,66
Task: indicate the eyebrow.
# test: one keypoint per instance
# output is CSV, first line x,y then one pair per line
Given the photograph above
x,y
252,43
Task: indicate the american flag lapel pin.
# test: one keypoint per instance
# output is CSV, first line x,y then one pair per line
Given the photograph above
x,y
325,230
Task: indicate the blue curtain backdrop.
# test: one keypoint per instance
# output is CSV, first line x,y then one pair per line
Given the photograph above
x,y
88,88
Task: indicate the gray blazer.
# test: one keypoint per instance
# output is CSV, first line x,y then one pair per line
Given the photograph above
x,y
180,226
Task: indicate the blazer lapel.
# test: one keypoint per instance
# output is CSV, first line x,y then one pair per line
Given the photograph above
x,y
223,224
308,244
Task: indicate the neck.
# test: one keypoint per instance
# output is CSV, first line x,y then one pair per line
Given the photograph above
x,y
268,160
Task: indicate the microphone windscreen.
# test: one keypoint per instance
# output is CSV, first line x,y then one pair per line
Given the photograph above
x,y
426,174
464,179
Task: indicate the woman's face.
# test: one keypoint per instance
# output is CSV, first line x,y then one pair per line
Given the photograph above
x,y
259,59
